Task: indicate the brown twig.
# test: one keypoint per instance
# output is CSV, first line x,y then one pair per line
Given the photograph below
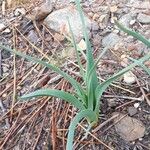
x,y
143,92
40,131
104,123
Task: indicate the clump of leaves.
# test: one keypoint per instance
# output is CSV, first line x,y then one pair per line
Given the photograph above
x,y
86,98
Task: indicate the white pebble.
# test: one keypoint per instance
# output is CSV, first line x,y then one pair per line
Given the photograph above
x,y
129,77
19,11
124,60
140,139
7,31
132,22
82,45
2,26
136,105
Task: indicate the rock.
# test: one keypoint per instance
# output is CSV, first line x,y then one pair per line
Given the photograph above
x,y
69,53
132,22
124,60
7,31
132,111
129,128
5,69
58,22
143,18
43,11
110,40
32,37
136,105
59,37
82,45
111,102
103,21
19,11
129,77
95,16
141,4
113,8
2,27
126,19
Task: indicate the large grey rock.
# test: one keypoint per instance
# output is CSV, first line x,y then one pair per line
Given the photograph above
x,y
110,40
129,128
143,18
57,21
43,11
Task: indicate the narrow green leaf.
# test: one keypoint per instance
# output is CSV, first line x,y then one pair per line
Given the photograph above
x,y
141,65
56,93
91,95
91,85
102,87
77,52
85,113
74,83
97,61
90,59
133,33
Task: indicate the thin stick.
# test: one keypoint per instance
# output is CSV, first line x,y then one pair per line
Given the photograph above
x,y
0,63
14,74
123,97
143,92
40,132
104,123
96,138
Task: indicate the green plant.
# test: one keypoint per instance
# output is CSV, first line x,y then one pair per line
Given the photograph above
x,y
86,98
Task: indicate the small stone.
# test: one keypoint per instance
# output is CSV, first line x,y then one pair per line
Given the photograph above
x,y
111,102
4,95
96,39
110,40
69,53
124,60
95,16
132,22
129,77
59,37
143,18
19,87
32,36
82,45
19,11
129,128
90,14
5,69
102,17
43,11
113,19
140,139
132,111
125,20
113,8
7,31
136,105
148,117
2,27
116,31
